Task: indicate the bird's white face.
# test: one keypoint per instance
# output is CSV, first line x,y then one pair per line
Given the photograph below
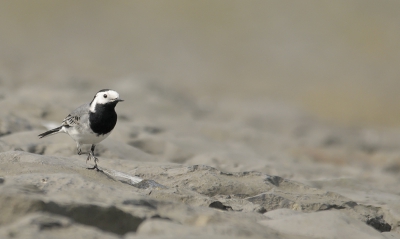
x,y
104,97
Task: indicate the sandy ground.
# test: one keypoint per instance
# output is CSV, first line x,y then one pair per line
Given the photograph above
x,y
242,119
181,167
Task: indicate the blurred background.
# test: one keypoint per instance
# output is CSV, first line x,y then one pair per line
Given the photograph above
x,y
339,60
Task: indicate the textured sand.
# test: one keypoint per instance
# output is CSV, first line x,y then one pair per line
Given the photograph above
x,y
203,148
180,167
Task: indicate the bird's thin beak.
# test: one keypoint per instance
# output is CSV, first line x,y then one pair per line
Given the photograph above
x,y
119,100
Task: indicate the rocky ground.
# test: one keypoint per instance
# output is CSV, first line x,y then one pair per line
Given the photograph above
x,y
181,167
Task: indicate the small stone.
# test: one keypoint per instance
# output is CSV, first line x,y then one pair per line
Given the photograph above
x,y
219,205
146,183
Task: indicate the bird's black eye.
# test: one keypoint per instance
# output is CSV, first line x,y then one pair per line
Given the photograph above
x,y
105,95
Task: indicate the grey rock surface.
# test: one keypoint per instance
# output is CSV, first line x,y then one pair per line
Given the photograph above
x,y
227,170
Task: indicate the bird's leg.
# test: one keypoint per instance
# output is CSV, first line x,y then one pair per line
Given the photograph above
x,y
95,158
79,149
91,154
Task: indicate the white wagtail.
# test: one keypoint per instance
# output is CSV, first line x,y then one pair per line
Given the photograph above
x,y
90,123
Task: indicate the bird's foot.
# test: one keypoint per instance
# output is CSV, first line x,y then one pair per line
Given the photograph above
x,y
91,155
95,167
95,159
88,157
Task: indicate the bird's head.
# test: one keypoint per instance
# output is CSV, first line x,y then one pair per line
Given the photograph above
x,y
105,97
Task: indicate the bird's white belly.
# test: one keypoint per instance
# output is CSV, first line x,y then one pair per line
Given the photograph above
x,y
85,137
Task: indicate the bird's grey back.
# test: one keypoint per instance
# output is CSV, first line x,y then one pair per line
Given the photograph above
x,y
78,116
81,110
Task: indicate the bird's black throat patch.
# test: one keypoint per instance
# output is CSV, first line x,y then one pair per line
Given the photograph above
x,y
104,119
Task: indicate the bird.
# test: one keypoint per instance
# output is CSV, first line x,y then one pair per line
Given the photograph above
x,y
90,123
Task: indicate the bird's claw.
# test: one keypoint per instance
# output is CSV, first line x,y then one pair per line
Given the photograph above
x,y
95,167
95,159
90,155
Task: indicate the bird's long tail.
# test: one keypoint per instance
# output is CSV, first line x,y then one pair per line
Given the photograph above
x,y
50,132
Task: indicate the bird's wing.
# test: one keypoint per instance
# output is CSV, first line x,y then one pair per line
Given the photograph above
x,y
76,116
